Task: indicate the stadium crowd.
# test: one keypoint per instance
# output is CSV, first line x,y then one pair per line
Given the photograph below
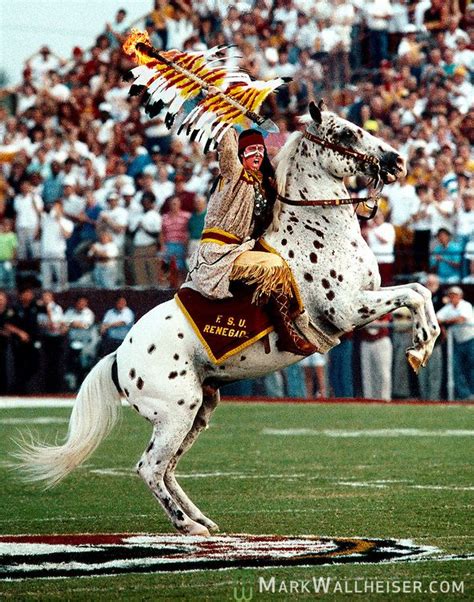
x,y
92,191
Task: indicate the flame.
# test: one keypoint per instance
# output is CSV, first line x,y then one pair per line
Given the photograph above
x,y
130,46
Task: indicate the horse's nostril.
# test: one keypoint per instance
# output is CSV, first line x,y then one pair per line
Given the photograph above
x,y
400,163
392,161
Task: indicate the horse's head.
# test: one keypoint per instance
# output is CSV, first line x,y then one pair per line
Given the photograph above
x,y
349,150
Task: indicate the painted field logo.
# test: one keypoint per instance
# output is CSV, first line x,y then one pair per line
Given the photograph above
x,y
36,556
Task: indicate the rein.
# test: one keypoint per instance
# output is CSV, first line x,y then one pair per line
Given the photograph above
x,y
346,200
341,149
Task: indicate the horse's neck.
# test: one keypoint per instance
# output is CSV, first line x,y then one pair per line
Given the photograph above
x,y
302,229
307,180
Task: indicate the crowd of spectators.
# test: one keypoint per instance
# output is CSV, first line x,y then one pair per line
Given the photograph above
x,y
92,190
46,347
80,157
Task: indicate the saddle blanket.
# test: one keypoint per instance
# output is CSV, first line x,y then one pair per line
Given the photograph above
x,y
224,326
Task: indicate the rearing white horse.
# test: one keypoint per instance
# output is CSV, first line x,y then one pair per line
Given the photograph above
x,y
165,373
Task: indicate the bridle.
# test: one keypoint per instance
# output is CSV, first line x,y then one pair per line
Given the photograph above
x,y
364,157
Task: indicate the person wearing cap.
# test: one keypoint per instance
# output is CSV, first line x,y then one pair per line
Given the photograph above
x,y
239,211
461,90
457,314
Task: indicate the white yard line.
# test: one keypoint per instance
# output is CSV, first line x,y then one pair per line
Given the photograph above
x,y
37,420
375,484
14,403
384,485
412,432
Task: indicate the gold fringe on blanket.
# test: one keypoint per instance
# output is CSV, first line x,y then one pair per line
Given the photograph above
x,y
266,279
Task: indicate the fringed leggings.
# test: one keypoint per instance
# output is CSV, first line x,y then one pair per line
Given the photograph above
x,y
268,272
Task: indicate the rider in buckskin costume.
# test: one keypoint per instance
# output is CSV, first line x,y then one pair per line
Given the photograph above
x,y
239,211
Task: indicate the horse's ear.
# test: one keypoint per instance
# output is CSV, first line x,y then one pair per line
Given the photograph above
x,y
322,105
315,113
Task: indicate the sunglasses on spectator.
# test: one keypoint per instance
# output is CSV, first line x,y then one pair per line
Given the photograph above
x,y
254,149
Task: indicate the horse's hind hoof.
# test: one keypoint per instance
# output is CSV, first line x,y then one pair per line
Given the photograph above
x,y
415,359
213,528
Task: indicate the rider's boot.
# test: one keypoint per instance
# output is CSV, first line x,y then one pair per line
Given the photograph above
x,y
288,338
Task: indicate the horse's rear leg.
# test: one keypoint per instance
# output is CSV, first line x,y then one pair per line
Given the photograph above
x,y
210,401
167,437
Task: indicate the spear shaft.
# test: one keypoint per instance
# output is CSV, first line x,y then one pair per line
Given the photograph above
x,y
266,124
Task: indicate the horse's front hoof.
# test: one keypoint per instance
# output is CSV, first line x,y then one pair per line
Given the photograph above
x,y
415,359
197,529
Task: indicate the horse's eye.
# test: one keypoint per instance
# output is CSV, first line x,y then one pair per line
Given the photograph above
x,y
346,137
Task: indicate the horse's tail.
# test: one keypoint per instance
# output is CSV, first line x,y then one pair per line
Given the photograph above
x,y
95,412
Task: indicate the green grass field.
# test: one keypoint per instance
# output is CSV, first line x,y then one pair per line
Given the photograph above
x,y
325,481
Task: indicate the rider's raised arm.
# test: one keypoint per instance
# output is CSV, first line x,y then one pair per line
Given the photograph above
x,y
228,150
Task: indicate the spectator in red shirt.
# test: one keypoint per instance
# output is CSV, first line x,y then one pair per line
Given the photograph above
x,y
174,233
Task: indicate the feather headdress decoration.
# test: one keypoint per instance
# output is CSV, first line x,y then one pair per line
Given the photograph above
x,y
171,78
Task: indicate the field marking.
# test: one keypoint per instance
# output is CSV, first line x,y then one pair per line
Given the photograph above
x,y
38,420
343,433
119,472
408,484
375,484
16,402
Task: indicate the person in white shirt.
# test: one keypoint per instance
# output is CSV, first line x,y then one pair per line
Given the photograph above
x,y
104,253
378,13
56,88
458,315
73,204
465,217
28,207
463,54
381,239
55,230
453,33
403,202
82,338
115,218
115,326
179,29
441,211
43,62
146,264
161,187
53,340
117,182
421,224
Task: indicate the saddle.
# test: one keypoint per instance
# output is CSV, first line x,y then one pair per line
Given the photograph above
x,y
225,326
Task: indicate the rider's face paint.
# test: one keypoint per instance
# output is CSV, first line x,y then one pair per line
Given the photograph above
x,y
254,149
253,156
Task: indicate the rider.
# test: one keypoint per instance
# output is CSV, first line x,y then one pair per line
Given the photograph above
x,y
239,211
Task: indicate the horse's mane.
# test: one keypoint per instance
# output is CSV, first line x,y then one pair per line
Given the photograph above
x,y
282,161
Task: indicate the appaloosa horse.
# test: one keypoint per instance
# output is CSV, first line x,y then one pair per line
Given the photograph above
x,y
161,367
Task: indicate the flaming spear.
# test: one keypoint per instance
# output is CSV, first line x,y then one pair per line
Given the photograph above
x,y
173,77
